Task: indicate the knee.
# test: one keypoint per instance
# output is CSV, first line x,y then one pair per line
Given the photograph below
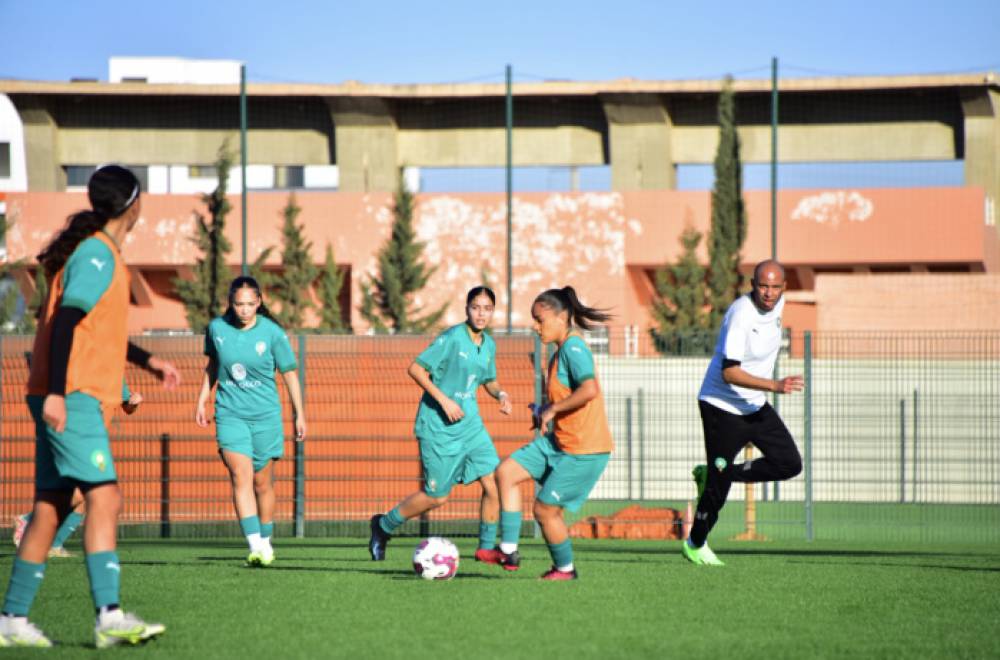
x,y
261,484
489,484
793,468
545,512
436,502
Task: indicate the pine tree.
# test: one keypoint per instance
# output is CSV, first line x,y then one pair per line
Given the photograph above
x,y
679,309
204,297
387,299
729,224
292,286
331,281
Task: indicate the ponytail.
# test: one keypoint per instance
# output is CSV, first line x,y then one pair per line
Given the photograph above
x,y
79,226
566,299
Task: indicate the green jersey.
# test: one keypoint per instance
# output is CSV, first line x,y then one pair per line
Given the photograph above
x,y
246,362
458,367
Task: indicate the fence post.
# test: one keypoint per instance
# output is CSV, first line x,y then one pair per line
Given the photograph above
x,y
300,452
913,495
807,428
628,442
642,444
902,451
539,401
165,486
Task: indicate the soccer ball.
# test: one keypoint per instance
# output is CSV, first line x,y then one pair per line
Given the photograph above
x,y
435,558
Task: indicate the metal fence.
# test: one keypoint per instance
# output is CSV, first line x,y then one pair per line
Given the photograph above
x,y
900,434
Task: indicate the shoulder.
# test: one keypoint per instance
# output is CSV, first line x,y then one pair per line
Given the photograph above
x,y
216,325
93,248
574,345
270,327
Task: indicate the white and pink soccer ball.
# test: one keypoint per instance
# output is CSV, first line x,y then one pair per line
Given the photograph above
x,y
435,558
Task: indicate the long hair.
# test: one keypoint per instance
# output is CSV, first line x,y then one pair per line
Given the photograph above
x,y
112,190
566,299
246,282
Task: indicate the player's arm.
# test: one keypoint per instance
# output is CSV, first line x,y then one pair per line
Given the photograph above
x,y
130,399
162,369
452,410
63,327
734,374
207,383
586,392
495,391
291,378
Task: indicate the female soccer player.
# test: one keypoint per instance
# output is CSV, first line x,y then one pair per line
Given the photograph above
x,y
568,461
454,444
77,372
244,347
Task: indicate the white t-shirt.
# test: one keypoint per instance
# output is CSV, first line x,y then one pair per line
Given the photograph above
x,y
752,338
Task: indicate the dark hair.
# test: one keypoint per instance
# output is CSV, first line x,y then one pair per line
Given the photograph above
x,y
246,282
477,291
565,299
112,190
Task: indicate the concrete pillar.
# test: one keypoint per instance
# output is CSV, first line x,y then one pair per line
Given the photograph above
x,y
41,142
981,109
365,135
639,141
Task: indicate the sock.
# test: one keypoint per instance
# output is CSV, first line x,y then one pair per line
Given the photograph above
x,y
105,574
250,526
266,530
67,528
510,530
562,555
391,521
487,535
25,578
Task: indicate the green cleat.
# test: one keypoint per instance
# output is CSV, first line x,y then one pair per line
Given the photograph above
x,y
700,474
702,556
267,556
255,560
118,627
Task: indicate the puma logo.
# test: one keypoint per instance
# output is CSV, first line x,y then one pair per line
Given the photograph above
x,y
98,263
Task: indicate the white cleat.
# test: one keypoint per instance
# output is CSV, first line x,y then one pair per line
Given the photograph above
x,y
120,627
18,631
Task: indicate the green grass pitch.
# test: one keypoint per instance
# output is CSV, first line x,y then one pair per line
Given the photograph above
x,y
324,598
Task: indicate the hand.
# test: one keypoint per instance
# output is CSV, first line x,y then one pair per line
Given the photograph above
x,y
166,372
200,417
506,407
132,404
54,412
788,385
545,415
452,410
300,428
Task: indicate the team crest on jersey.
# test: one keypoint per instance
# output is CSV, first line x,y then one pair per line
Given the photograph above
x,y
260,348
97,458
239,371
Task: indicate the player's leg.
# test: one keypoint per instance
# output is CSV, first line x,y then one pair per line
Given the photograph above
x,y
530,462
263,488
481,462
235,440
780,458
68,526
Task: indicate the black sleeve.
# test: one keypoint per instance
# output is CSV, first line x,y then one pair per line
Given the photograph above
x,y
726,363
137,356
63,325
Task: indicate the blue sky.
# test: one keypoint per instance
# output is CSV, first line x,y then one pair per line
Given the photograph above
x,y
406,42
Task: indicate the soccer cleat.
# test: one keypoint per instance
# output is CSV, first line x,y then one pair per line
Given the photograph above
x,y
555,574
702,556
510,562
489,556
120,627
255,559
18,631
267,556
700,474
20,524
378,540
60,553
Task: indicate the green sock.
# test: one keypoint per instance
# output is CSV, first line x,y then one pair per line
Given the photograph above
x,y
487,535
562,553
25,578
67,528
105,575
510,526
250,525
392,520
266,530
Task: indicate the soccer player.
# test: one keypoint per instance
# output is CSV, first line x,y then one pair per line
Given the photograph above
x,y
454,444
130,403
566,462
80,350
734,410
244,347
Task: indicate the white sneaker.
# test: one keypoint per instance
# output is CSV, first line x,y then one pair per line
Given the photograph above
x,y
18,631
120,627
266,555
20,524
708,557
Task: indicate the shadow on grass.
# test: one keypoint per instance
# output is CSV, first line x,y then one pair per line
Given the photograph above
x,y
674,547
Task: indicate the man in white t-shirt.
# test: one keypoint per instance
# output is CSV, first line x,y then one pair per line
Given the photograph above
x,y
734,409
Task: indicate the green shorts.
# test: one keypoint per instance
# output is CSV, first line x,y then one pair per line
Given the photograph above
x,y
564,480
81,454
261,440
441,471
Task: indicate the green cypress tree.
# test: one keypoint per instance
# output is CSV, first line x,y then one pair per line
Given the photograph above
x,y
387,298
729,225
204,297
331,281
292,286
679,309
